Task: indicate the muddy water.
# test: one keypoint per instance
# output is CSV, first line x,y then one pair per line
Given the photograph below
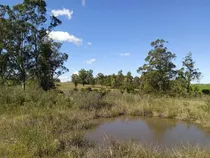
x,y
150,131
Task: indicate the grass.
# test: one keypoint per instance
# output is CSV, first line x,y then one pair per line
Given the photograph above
x,y
201,86
66,86
34,123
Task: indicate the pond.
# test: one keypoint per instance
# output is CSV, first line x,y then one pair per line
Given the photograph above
x,y
150,131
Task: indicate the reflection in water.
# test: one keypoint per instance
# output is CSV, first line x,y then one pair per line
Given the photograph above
x,y
164,132
159,127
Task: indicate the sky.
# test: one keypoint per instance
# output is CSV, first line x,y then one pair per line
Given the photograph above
x,y
111,35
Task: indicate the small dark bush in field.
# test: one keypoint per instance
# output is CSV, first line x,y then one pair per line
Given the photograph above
x,y
95,90
89,89
89,100
75,89
104,91
83,89
206,91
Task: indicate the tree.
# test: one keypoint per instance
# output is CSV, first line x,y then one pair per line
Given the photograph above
x,y
136,82
107,80
50,64
100,79
190,72
90,78
4,55
158,70
75,79
119,79
83,77
128,85
16,45
26,48
113,81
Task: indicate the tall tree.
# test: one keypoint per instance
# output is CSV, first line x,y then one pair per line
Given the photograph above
x,y
119,79
83,77
100,79
75,79
113,81
50,64
90,77
128,85
136,82
159,68
190,72
30,52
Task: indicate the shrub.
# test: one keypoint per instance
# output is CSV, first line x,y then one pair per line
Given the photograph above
x,y
89,100
206,91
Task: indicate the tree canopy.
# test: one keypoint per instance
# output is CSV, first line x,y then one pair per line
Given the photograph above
x,y
26,52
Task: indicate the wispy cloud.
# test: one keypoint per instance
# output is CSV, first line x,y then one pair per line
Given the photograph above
x,y
91,61
63,12
83,2
65,37
125,54
89,44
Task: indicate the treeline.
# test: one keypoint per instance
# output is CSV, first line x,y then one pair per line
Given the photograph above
x,y
159,74
118,81
28,54
26,51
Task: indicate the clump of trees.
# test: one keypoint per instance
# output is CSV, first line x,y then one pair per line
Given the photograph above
x,y
118,81
26,52
160,75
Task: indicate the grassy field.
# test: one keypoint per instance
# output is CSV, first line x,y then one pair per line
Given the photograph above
x,y
66,86
201,86
34,123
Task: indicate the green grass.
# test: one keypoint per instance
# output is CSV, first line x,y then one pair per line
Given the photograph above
x,y
201,86
66,86
34,123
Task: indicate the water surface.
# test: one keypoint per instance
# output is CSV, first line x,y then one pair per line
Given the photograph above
x,y
150,131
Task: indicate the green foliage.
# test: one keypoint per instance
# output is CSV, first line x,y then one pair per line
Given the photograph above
x,y
83,76
26,52
75,79
191,73
206,91
158,70
100,79
36,123
89,100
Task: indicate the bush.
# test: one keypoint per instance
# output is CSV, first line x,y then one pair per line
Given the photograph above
x,y
89,100
206,91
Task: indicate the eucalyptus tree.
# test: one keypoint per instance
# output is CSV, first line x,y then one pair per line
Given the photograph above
x,y
159,68
75,79
31,54
90,78
83,77
190,73
100,78
119,79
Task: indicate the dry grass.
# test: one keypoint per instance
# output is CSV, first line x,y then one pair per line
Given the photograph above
x,y
35,123
116,149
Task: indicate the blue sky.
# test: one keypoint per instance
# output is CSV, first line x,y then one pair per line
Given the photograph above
x,y
110,35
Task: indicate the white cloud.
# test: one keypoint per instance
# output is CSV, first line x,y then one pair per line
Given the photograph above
x,y
83,2
75,73
63,12
89,43
90,61
65,78
65,37
125,54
